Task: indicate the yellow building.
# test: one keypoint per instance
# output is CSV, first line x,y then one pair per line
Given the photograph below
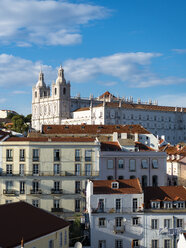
x,y
50,173
31,227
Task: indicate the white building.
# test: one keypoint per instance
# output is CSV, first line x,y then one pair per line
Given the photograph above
x,y
115,213
182,240
60,108
116,162
121,215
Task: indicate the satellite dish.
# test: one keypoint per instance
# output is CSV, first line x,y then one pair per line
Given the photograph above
x,y
78,245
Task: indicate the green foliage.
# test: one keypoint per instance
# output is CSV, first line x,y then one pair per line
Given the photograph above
x,y
20,123
75,231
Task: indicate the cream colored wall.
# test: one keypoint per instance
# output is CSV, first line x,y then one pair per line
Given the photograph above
x,y
46,180
44,241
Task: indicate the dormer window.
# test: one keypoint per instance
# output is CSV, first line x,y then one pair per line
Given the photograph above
x,y
167,205
180,205
115,185
155,204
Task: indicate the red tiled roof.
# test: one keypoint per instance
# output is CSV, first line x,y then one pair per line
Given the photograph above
x,y
82,109
110,146
163,193
126,186
106,94
143,147
141,106
51,139
93,129
22,220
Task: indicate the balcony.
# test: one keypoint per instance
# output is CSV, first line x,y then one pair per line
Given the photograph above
x,y
56,159
114,210
9,158
56,210
34,159
119,229
56,191
35,191
9,191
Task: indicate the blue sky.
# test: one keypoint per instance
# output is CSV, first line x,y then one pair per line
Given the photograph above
x,y
129,47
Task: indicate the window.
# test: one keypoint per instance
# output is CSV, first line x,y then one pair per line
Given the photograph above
x,y
65,239
77,169
60,239
154,243
56,169
154,181
144,181
9,185
155,204
115,185
118,243
9,169
155,164
22,187
35,155
56,185
56,155
56,203
167,205
35,203
87,169
118,221
77,187
102,244
50,244
179,223
120,164
8,201
64,91
22,154
35,186
180,205
135,243
21,169
35,93
120,177
167,223
110,177
110,164
77,205
132,177
135,221
135,204
102,222
118,205
167,243
35,169
77,155
9,156
101,205
154,223
88,155
144,164
132,165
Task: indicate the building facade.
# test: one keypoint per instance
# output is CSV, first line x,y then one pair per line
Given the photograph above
x,y
50,173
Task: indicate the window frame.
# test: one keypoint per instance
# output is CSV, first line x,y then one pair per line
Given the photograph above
x,y
130,165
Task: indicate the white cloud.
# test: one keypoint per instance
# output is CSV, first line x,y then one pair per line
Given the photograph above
x,y
16,71
48,22
180,51
131,68
19,92
178,100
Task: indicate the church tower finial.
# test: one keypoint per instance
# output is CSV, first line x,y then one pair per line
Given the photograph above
x,y
61,78
41,82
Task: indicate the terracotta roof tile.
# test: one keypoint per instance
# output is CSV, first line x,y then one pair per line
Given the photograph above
x,y
93,129
163,193
51,139
110,146
106,94
128,186
22,220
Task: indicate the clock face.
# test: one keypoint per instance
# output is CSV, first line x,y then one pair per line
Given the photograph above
x,y
112,114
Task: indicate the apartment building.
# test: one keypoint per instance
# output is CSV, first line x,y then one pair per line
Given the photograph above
x,y
50,173
115,211
176,164
122,215
126,159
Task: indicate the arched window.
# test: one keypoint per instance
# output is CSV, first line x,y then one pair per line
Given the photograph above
x,y
35,93
154,181
55,91
144,181
64,91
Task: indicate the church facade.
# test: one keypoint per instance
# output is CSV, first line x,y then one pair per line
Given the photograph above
x,y
56,106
